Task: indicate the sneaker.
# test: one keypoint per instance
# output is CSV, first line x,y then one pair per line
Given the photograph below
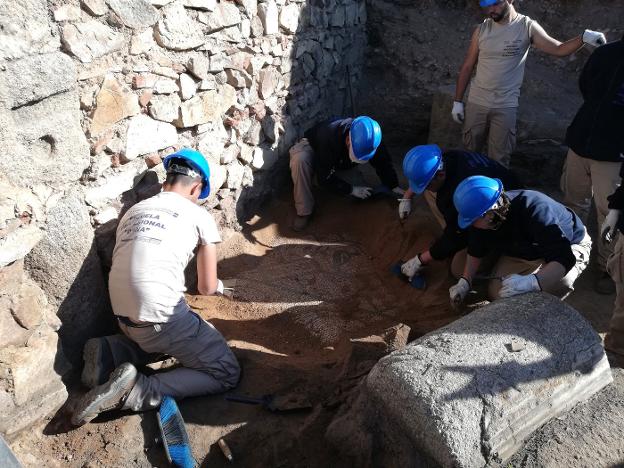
x,y
105,397
301,222
604,284
98,362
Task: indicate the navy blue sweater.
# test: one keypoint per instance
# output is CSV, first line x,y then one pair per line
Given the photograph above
x,y
459,165
536,227
328,139
597,131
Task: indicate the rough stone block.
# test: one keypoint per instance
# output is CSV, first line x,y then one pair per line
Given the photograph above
x,y
224,15
289,18
461,396
165,107
114,102
146,135
67,13
90,40
176,30
40,135
95,7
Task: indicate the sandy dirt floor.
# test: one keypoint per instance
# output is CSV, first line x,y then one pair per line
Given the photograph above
x,y
298,301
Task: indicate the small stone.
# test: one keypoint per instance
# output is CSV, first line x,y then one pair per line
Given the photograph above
x,y
108,214
230,154
146,135
165,86
144,81
143,42
289,18
67,13
238,78
166,71
90,40
165,107
152,160
234,175
224,15
95,7
134,14
250,7
209,83
145,97
114,102
198,65
268,80
268,13
257,28
188,87
517,345
176,30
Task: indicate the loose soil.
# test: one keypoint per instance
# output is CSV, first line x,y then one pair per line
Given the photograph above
x,y
298,301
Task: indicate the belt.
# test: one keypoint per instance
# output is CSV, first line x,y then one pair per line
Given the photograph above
x,y
129,323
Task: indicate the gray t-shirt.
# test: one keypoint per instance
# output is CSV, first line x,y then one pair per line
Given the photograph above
x,y
155,242
503,51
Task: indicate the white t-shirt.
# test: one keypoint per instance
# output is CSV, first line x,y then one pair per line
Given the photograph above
x,y
155,242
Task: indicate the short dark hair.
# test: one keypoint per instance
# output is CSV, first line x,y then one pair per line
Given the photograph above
x,y
179,172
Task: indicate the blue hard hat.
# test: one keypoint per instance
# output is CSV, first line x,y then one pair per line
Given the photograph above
x,y
195,160
474,196
365,134
487,3
420,166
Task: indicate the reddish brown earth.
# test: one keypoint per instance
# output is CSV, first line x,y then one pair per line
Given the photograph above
x,y
298,301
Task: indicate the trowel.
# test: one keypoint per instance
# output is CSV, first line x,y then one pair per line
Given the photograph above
x,y
417,281
275,403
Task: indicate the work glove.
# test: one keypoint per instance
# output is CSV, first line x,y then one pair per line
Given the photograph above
x,y
459,291
405,207
361,192
226,288
411,267
594,38
458,112
609,225
518,284
220,287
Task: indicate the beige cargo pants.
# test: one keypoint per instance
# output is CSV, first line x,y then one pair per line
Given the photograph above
x,y
496,127
583,178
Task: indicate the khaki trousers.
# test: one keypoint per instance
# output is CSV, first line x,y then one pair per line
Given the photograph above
x,y
302,172
614,341
583,178
497,127
208,364
506,265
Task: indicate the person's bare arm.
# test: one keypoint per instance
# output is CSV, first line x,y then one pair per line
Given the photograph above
x,y
542,41
207,269
471,267
465,72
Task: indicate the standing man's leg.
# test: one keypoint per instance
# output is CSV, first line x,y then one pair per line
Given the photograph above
x,y
605,177
431,198
576,184
502,136
302,172
614,340
475,127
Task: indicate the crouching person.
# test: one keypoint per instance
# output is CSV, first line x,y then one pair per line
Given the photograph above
x,y
335,145
156,239
533,242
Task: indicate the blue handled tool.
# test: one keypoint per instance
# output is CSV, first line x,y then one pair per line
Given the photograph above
x,y
418,281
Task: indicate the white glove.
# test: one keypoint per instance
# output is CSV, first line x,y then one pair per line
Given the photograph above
x,y
220,287
518,284
594,38
398,191
361,192
609,225
411,267
405,207
458,112
459,291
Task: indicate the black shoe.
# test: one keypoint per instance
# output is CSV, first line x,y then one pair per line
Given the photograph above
x,y
604,284
108,396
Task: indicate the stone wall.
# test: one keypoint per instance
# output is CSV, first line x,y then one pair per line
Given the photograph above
x,y
93,94
417,47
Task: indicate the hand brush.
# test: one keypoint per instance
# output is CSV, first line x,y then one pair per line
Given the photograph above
x,y
174,435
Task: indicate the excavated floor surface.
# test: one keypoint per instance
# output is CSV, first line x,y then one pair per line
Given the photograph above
x,y
298,300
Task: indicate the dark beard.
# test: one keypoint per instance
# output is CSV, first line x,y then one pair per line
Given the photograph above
x,y
499,17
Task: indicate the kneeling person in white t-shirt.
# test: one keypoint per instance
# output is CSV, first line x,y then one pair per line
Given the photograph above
x,y
156,239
